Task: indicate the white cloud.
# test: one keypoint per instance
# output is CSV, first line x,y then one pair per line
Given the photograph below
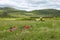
x,y
31,4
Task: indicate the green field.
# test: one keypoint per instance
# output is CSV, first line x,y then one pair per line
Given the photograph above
x,y
39,30
43,24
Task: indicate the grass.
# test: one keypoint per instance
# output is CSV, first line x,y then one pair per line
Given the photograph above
x,y
39,30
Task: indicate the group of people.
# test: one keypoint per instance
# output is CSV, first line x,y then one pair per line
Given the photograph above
x,y
11,29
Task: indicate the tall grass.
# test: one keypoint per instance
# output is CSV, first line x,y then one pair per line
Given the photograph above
x,y
39,30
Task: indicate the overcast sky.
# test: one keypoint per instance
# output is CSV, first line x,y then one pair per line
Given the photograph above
x,y
31,4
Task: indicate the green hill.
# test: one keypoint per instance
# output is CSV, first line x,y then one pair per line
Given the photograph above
x,y
11,12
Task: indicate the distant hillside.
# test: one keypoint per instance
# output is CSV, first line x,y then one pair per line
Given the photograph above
x,y
11,12
47,12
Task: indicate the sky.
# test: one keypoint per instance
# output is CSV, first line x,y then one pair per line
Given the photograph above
x,y
31,4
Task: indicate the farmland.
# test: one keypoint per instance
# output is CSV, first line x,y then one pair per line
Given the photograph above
x,y
39,30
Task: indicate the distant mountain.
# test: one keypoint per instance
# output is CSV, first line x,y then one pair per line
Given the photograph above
x,y
47,12
11,12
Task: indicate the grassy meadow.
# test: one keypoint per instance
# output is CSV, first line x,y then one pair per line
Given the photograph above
x,y
39,30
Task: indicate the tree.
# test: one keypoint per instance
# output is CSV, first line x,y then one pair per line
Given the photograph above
x,y
4,14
